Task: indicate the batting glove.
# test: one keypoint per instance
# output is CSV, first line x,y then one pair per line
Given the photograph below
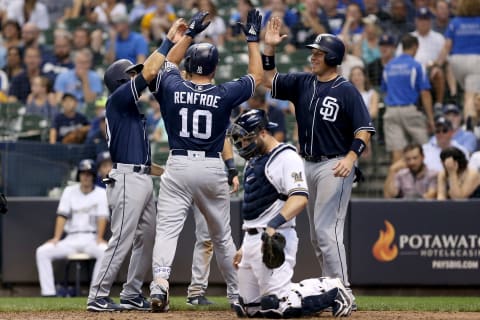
x,y
252,28
196,25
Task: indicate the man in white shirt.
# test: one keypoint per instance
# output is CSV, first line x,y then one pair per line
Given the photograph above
x,y
83,214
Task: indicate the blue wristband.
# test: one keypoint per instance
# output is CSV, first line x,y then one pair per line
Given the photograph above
x,y
229,163
358,146
268,62
165,47
277,221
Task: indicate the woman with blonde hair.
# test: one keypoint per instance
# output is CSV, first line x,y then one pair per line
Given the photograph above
x,y
457,180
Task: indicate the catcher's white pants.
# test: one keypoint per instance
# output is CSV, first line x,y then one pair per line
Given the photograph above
x,y
255,279
46,253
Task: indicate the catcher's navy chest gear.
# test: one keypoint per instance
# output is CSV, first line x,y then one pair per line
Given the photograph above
x,y
259,193
329,114
197,116
127,136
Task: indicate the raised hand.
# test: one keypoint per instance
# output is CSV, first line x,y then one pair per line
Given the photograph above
x,y
272,35
252,28
196,24
177,30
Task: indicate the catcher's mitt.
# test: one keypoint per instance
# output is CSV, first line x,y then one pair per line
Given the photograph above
x,y
272,250
3,204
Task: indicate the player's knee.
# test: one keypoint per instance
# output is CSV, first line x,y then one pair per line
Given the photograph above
x,y
42,251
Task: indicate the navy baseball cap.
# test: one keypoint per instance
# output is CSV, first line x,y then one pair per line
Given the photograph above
x,y
424,13
443,122
451,108
386,40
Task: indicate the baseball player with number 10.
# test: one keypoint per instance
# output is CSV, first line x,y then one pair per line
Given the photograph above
x,y
334,127
275,193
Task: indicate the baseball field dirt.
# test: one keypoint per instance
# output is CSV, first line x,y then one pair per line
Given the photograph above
x,y
227,315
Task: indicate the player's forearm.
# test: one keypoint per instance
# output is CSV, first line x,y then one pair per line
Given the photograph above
x,y
227,152
293,206
59,225
178,51
101,227
255,62
269,51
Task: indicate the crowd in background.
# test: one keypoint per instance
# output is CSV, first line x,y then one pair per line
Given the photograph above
x,y
53,55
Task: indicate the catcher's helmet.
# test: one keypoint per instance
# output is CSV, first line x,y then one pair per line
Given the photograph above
x,y
118,73
245,129
86,165
331,45
201,58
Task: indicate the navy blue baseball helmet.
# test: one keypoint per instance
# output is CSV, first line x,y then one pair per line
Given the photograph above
x,y
201,58
332,46
119,72
86,165
245,129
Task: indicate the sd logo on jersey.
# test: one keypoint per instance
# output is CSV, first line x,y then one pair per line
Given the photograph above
x,y
329,109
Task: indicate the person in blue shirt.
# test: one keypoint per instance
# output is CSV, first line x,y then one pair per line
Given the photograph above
x,y
129,186
463,45
404,81
124,43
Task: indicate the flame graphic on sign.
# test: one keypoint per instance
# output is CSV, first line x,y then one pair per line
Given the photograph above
x,y
383,250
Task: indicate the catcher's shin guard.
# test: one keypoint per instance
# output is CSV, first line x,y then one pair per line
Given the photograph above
x,y
317,303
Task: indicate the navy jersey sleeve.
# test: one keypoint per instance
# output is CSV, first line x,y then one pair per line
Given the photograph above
x,y
239,90
285,86
357,110
128,94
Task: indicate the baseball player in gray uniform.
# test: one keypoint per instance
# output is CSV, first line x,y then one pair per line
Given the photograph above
x,y
129,186
334,127
197,114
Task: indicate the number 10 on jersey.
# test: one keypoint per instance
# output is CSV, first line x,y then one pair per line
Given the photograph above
x,y
195,118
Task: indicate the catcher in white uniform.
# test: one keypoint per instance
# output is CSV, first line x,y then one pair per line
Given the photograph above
x,y
83,214
275,192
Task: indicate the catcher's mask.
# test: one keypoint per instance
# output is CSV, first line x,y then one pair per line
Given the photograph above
x,y
243,132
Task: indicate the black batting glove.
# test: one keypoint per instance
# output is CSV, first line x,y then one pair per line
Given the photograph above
x,y
232,173
196,25
252,28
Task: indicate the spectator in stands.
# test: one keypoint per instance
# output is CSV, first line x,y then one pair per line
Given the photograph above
x,y
61,60
368,48
41,101
11,37
471,124
430,44
443,139
239,15
409,177
155,24
442,16
31,38
257,101
352,29
14,64
104,165
82,8
457,180
20,84
215,32
84,83
349,62
335,18
280,7
373,7
82,214
82,40
33,11
464,138
58,11
403,82
463,46
104,12
69,126
386,45
140,9
4,84
124,43
311,22
370,96
399,24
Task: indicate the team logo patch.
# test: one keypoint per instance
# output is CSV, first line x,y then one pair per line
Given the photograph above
x,y
297,176
199,69
329,109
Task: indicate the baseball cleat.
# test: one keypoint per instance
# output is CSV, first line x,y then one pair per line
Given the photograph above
x,y
104,304
198,301
159,303
138,303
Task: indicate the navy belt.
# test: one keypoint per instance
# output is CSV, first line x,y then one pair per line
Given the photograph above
x,y
183,152
321,158
254,231
133,167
